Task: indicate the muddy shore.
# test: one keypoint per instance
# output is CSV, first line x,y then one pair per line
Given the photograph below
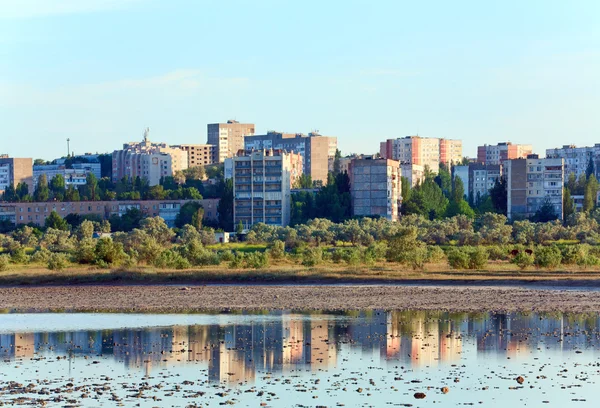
x,y
215,298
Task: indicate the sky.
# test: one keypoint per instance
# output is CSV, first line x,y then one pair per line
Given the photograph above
x,y
100,71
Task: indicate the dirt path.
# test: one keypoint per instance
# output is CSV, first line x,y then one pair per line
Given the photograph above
x,y
179,299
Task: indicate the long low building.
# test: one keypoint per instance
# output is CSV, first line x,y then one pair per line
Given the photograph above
x,y
36,213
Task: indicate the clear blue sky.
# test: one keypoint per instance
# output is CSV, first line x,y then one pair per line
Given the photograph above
x,y
100,71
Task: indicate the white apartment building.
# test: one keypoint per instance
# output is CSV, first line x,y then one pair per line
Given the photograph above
x,y
261,187
577,159
424,151
531,182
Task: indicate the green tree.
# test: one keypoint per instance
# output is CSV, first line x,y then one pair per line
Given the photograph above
x,y
190,213
225,207
336,161
546,212
591,194
568,204
55,221
590,170
499,196
444,180
42,192
571,183
72,194
10,194
90,189
23,191
304,181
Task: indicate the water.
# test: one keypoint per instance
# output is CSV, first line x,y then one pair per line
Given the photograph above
x,y
286,359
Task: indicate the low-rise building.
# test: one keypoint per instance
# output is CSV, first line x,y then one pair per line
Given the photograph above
x,y
36,213
375,188
261,187
532,182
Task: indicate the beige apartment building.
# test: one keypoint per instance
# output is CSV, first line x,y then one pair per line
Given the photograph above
x,y
317,150
531,182
423,151
497,154
199,154
228,137
14,171
36,213
149,161
375,188
261,187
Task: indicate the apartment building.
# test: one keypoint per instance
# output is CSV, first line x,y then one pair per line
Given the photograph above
x,y
424,151
76,176
375,188
199,154
317,150
576,158
261,186
14,171
150,161
228,137
478,179
36,213
497,154
531,182
414,173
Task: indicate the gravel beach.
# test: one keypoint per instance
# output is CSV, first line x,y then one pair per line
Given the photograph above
x,y
181,299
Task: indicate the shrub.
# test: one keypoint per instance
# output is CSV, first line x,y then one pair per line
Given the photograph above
x,y
197,255
85,251
435,254
352,256
57,262
4,262
171,259
458,258
277,250
19,256
478,258
523,260
499,252
257,260
226,256
109,252
312,256
574,254
547,256
41,255
237,261
588,261
377,250
337,255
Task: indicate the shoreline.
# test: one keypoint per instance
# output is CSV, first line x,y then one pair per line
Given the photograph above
x,y
198,298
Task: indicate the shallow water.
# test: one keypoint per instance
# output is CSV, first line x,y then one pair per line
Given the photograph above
x,y
289,359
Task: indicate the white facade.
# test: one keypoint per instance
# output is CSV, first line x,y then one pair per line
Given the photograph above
x,y
577,159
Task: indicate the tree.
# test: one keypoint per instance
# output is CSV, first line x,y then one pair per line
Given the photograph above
x,y
225,207
10,194
546,212
57,187
72,194
90,189
444,180
239,229
590,170
499,196
191,213
42,192
23,192
39,162
571,183
304,181
156,228
55,221
590,194
568,204
336,161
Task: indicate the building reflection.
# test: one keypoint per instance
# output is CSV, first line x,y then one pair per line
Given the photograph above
x,y
285,342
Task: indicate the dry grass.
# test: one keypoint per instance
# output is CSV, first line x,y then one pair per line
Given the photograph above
x,y
288,272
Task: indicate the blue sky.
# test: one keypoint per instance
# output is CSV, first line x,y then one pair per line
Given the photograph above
x,y
100,71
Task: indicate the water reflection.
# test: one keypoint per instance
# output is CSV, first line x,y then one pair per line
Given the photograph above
x,y
237,352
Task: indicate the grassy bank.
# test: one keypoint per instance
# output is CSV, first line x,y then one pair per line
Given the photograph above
x,y
284,272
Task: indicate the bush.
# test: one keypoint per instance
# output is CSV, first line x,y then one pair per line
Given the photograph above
x,y
57,261
499,252
257,260
523,260
435,254
277,250
226,256
574,254
337,255
312,257
458,258
478,258
41,255
237,261
85,251
108,252
352,256
548,256
19,256
4,262
171,259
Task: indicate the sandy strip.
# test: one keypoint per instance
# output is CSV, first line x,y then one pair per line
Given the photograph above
x,y
179,299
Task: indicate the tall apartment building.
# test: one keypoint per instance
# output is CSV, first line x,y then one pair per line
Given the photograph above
x,y
414,173
497,154
424,151
228,137
199,154
576,158
261,187
375,188
14,171
478,179
317,150
150,161
531,182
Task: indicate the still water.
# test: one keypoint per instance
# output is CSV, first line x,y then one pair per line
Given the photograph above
x,y
373,358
